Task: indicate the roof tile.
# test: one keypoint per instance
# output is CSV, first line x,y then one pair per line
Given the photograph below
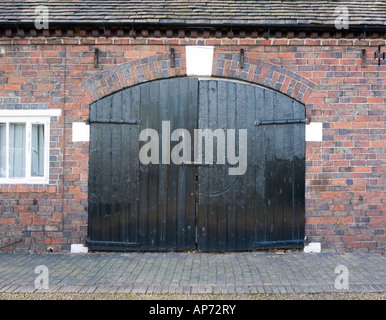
x,y
273,12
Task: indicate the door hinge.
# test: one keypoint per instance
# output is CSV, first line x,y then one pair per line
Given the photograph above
x,y
112,121
281,121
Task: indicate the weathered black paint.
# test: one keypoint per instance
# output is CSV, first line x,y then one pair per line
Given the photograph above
x,y
264,207
182,207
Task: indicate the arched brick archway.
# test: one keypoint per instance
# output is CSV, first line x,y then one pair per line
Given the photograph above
x,y
225,65
131,73
266,74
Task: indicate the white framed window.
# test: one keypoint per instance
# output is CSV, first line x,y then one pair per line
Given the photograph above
x,y
24,146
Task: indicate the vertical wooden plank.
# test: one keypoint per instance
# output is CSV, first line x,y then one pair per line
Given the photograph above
x,y
299,173
260,149
116,167
288,163
279,106
212,198
269,141
223,186
240,180
181,170
171,221
250,174
153,168
104,112
232,198
191,115
143,214
164,115
125,185
203,173
134,163
95,154
99,180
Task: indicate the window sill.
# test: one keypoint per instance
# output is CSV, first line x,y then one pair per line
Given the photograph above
x,y
24,181
27,188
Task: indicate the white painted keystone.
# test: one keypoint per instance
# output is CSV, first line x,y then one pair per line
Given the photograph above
x,y
199,60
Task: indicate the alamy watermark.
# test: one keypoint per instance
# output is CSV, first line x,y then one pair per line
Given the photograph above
x,y
342,280
342,17
42,17
182,154
42,280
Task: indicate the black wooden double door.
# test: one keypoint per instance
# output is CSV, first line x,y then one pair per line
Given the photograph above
x,y
185,164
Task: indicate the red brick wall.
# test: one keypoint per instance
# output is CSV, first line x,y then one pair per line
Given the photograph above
x,y
345,173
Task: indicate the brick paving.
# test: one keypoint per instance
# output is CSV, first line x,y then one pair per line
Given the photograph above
x,y
226,273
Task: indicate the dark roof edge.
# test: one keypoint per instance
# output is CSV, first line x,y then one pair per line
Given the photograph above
x,y
305,27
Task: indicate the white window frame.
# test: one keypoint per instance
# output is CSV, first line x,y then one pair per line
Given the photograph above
x,y
29,117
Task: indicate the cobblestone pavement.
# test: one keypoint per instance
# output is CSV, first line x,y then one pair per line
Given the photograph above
x,y
188,273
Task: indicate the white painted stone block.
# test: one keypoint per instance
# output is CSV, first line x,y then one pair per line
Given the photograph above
x,y
80,132
199,60
78,248
314,131
313,247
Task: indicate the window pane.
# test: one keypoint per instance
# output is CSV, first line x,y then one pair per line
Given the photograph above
x,y
37,150
3,150
17,150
